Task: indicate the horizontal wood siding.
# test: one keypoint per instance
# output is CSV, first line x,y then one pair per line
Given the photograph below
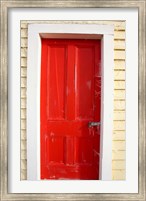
x,y
118,150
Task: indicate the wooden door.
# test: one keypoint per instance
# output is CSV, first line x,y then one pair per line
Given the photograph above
x,y
70,101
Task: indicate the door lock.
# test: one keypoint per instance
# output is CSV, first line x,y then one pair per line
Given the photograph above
x,y
93,123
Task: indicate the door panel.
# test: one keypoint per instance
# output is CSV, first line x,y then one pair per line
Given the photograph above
x,y
56,82
83,155
84,84
54,143
70,99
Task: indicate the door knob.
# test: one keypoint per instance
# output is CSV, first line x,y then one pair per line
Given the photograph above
x,y
93,123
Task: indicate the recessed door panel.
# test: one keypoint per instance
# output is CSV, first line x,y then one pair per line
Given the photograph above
x,y
84,86
56,69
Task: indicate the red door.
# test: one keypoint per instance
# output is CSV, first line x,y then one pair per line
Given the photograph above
x,y
70,109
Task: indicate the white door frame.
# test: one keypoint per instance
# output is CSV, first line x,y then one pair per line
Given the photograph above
x,y
79,31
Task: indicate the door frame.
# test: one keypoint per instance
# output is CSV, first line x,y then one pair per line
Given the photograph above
x,y
69,31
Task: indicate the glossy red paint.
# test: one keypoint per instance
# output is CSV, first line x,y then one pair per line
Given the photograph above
x,y
70,99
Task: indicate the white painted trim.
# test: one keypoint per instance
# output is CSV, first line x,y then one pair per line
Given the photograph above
x,y
35,31
33,105
107,109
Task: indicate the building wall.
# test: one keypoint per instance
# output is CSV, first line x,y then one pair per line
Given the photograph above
x,y
118,138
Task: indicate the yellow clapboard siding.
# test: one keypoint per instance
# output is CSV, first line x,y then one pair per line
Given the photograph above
x,y
118,146
119,55
118,135
23,154
119,115
119,64
23,164
118,155
23,52
23,134
23,144
23,42
119,105
119,75
23,72
23,92
23,124
118,165
119,44
23,113
119,94
119,25
118,175
119,34
23,62
23,81
23,102
119,125
23,174
119,84
24,33
24,25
